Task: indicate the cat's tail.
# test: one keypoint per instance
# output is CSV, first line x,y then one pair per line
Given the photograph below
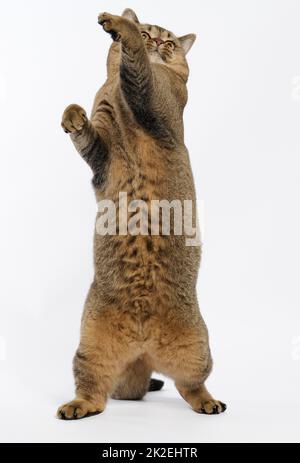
x,y
155,384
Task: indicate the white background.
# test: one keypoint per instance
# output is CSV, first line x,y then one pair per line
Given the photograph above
x,y
242,131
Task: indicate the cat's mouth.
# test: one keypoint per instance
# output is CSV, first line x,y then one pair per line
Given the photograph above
x,y
162,55
156,52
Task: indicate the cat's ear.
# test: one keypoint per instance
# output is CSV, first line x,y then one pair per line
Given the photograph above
x,y
130,14
187,41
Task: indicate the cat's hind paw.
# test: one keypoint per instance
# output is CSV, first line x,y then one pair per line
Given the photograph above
x,y
77,409
211,407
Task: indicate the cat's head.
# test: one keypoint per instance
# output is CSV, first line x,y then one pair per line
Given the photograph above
x,y
162,45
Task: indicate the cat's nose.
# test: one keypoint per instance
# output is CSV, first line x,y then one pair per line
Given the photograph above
x,y
158,41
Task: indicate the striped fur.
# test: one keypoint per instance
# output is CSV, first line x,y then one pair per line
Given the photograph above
x,y
141,313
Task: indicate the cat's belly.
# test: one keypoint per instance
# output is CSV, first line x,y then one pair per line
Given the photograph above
x,y
145,274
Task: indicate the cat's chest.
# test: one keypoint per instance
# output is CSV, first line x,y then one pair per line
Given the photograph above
x,y
139,168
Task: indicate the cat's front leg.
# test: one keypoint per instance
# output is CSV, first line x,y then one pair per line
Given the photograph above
x,y
140,87
88,141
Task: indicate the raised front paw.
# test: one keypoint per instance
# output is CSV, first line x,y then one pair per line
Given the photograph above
x,y
112,24
77,409
73,119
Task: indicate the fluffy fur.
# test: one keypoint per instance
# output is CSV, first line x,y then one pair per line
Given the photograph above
x,y
141,313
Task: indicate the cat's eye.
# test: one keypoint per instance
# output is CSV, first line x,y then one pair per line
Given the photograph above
x,y
171,45
145,35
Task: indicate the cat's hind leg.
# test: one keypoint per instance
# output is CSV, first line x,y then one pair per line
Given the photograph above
x,y
183,354
106,347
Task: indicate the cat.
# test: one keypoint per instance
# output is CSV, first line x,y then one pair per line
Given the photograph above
x,y
141,313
